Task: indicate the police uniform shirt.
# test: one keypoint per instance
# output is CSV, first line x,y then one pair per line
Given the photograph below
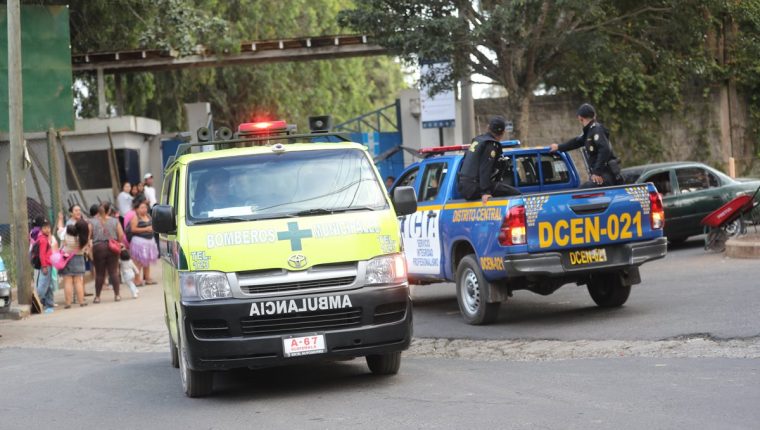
x,y
595,139
480,160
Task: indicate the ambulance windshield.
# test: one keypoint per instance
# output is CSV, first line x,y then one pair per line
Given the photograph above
x,y
287,184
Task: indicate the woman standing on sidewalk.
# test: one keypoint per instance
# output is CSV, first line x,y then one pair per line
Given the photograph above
x,y
76,242
142,246
105,228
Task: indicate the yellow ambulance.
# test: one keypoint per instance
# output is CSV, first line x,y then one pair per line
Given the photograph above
x,y
280,252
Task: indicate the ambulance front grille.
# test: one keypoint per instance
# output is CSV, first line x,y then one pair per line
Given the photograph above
x,y
299,285
300,322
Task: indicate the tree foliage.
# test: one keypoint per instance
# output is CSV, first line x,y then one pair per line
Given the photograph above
x,y
635,59
343,88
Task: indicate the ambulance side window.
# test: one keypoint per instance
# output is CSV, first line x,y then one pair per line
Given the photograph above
x,y
168,185
175,200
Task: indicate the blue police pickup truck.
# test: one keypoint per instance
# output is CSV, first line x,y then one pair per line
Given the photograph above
x,y
551,235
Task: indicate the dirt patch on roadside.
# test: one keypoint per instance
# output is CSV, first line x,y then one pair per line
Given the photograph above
x,y
548,350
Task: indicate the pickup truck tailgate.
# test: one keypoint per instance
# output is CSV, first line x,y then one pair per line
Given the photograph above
x,y
588,218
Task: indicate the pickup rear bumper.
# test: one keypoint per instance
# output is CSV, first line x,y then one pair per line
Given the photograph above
x,y
555,263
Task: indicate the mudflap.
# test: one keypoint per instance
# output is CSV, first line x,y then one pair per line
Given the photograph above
x,y
497,292
630,276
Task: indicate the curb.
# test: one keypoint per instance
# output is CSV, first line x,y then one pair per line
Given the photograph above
x,y
16,312
737,248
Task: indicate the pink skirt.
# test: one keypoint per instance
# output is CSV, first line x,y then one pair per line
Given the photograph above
x,y
144,251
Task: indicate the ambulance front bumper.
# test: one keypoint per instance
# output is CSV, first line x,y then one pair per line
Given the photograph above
x,y
559,263
235,333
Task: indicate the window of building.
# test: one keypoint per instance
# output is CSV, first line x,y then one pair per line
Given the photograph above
x,y
92,168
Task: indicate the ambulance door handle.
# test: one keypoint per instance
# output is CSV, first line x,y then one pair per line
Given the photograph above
x,y
432,215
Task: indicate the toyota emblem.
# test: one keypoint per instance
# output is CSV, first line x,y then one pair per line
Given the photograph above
x,y
297,261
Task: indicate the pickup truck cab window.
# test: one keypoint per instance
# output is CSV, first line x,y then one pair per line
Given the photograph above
x,y
554,169
432,179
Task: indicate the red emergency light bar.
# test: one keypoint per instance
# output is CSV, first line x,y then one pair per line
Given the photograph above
x,y
262,127
442,149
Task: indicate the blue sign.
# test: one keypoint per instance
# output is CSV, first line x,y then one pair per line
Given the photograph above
x,y
445,123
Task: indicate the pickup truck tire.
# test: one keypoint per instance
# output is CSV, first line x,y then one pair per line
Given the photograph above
x,y
194,383
384,364
173,353
471,294
608,290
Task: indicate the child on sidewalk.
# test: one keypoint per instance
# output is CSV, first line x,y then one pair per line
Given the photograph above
x,y
45,276
128,272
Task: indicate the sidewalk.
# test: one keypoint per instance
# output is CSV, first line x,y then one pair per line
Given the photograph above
x,y
130,325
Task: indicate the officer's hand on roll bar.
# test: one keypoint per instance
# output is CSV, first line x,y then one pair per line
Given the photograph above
x,y
553,147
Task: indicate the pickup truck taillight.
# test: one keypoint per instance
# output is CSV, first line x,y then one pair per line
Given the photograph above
x,y
656,212
512,230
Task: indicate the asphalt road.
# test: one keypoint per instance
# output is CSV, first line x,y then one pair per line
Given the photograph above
x,y
689,293
76,389
683,353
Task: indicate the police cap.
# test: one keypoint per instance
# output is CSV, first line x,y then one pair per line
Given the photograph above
x,y
497,125
586,111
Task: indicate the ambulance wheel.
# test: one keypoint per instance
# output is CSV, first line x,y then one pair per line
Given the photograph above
x,y
194,383
607,290
384,364
470,293
174,354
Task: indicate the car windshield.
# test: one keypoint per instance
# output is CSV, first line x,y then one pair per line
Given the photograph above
x,y
297,183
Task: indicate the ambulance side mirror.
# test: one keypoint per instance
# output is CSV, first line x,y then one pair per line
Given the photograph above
x,y
404,200
164,220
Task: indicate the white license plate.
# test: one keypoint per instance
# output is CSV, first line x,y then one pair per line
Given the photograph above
x,y
303,345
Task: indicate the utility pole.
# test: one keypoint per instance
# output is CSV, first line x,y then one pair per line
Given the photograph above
x,y
18,164
468,111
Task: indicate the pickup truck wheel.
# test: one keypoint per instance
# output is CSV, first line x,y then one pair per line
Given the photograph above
x,y
384,364
194,383
471,294
608,291
173,353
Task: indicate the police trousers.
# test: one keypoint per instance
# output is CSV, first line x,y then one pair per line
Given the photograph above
x,y
469,189
608,181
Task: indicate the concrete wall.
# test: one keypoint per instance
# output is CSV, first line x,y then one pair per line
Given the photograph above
x,y
692,134
90,134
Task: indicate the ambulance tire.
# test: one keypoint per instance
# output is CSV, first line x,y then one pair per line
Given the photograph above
x,y
470,293
173,352
384,364
608,290
194,383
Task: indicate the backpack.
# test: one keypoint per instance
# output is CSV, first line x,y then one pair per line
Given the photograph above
x,y
34,255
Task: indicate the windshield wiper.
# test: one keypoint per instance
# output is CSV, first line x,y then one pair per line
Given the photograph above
x,y
354,208
321,211
315,211
221,220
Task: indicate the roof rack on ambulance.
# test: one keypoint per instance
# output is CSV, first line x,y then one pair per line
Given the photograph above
x,y
440,150
253,133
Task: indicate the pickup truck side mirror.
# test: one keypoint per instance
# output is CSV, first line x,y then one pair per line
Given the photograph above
x,y
404,200
164,219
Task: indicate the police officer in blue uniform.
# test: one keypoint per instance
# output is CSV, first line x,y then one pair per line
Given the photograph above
x,y
604,167
475,178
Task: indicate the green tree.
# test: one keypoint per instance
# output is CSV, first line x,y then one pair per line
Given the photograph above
x,y
516,44
342,88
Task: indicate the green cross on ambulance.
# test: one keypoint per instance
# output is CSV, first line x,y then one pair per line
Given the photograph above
x,y
281,253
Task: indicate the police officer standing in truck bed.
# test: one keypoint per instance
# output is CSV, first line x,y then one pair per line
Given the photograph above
x,y
604,167
480,163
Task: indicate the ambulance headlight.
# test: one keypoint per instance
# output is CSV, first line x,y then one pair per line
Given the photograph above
x,y
204,286
3,276
386,269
